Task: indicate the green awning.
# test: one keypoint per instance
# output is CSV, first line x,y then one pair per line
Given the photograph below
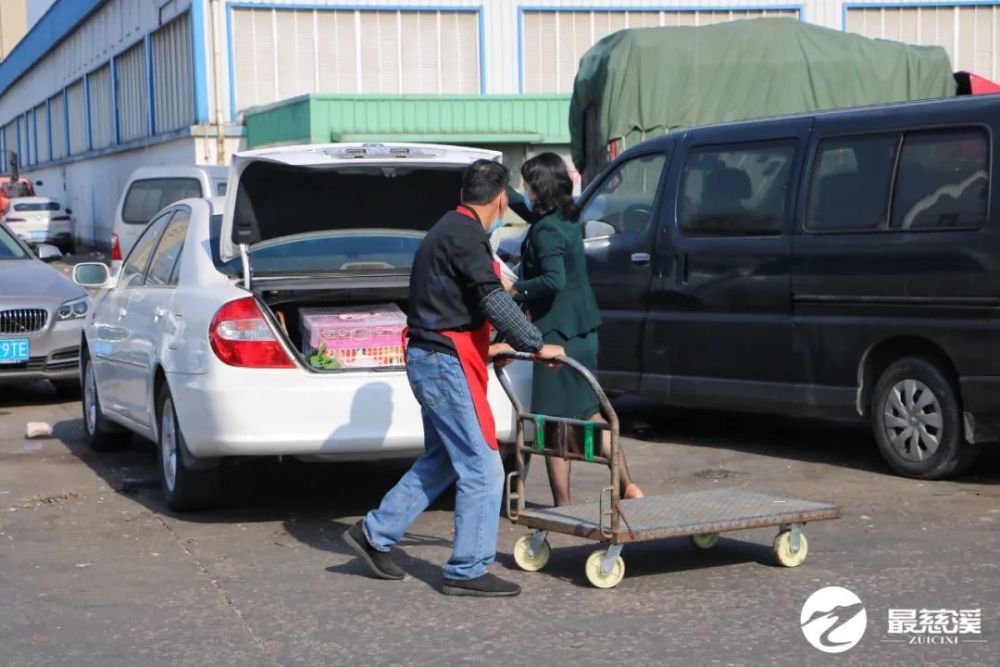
x,y
454,119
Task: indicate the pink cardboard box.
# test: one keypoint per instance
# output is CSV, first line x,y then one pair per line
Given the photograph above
x,y
355,335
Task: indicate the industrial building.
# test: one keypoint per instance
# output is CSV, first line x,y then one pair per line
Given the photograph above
x,y
98,87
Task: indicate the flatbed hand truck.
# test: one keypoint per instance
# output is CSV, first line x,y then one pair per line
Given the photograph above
x,y
699,515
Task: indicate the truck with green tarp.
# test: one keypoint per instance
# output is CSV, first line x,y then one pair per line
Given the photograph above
x,y
639,83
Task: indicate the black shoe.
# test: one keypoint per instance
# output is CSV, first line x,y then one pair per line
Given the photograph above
x,y
379,562
486,586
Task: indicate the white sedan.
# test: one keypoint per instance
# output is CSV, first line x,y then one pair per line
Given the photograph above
x,y
41,220
197,344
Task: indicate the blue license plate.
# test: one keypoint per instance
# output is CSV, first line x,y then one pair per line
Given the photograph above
x,y
13,351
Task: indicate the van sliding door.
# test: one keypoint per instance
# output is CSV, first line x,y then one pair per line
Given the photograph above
x,y
722,305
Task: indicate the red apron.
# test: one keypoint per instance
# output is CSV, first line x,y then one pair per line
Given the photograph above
x,y
473,348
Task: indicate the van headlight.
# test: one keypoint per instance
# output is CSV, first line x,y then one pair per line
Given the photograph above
x,y
74,309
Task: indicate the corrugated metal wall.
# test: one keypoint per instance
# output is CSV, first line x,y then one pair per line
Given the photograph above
x,y
58,112
102,118
553,41
26,148
10,141
968,32
173,75
280,53
77,112
42,123
132,92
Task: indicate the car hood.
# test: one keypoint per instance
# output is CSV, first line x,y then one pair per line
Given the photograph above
x,y
27,281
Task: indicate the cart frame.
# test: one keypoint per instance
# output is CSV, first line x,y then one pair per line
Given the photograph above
x,y
699,515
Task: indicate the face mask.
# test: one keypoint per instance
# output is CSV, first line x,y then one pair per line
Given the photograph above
x,y
495,225
527,201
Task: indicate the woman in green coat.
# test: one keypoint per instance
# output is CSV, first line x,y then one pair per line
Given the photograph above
x,y
556,290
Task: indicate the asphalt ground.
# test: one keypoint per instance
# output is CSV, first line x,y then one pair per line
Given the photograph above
x,y
95,571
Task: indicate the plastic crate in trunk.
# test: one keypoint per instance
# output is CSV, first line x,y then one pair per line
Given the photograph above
x,y
353,336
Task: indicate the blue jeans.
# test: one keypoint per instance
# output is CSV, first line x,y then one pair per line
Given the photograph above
x,y
454,447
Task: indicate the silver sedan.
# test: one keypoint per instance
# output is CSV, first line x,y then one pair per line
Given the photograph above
x,y
41,319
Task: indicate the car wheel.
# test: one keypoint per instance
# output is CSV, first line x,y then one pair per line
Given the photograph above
x,y
917,421
184,489
101,434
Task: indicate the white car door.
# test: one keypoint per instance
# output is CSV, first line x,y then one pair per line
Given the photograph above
x,y
120,388
149,310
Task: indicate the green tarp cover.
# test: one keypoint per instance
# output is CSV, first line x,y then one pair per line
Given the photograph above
x,y
653,80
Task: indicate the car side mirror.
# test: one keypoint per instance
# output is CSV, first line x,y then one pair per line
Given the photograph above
x,y
593,229
69,211
39,183
91,274
47,252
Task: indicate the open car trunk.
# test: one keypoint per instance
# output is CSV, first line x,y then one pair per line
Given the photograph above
x,y
337,226
286,306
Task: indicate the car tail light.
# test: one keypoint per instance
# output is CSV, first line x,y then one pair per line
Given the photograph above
x,y
16,220
116,248
240,336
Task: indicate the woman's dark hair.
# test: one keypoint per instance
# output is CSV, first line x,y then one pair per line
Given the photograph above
x,y
549,179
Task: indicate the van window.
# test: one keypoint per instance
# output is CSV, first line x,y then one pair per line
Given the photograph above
x,y
943,180
220,188
736,191
149,195
624,201
849,188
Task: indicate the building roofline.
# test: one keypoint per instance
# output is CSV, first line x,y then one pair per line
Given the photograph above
x,y
58,21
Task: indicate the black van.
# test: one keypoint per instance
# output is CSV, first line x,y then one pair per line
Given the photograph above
x,y
840,264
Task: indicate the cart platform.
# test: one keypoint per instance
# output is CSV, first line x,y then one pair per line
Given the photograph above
x,y
680,514
700,515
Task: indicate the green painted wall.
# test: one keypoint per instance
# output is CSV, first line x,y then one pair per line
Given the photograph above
x,y
478,119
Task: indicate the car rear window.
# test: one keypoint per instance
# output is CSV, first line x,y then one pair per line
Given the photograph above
x,y
37,206
148,196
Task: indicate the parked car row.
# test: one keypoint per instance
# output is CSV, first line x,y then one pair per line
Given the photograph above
x,y
836,264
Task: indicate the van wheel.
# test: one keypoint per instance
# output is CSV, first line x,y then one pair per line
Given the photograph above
x,y
102,435
184,489
917,421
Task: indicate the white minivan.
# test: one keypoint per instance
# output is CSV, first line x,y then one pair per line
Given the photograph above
x,y
151,189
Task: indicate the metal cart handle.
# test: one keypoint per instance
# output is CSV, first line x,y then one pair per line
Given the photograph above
x,y
609,412
610,524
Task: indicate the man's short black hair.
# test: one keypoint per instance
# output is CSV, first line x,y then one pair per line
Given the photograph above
x,y
483,181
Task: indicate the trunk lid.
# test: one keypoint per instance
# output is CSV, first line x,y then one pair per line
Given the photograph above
x,y
338,209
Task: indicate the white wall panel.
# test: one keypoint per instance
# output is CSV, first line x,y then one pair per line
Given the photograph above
x,y
132,91
102,119
554,40
173,75
10,141
76,111
58,112
280,53
968,32
42,124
